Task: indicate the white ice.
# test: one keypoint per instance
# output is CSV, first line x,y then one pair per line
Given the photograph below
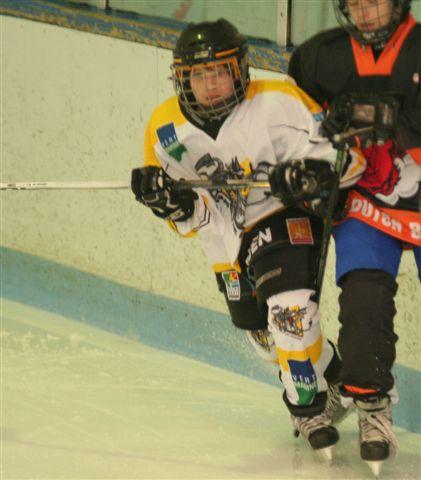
x,y
80,403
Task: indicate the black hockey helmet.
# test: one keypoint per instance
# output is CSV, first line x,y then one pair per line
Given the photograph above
x,y
379,37
208,45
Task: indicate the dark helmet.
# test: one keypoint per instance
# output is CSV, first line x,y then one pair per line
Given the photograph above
x,y
379,37
208,45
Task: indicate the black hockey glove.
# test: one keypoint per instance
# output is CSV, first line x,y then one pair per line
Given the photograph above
x,y
374,113
337,118
298,181
155,189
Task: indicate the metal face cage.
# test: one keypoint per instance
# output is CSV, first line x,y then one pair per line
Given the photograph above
x,y
373,34
229,73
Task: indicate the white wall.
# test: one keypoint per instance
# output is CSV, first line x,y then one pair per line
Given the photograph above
x,y
74,107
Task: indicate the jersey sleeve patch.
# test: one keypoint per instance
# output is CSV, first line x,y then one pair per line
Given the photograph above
x,y
168,139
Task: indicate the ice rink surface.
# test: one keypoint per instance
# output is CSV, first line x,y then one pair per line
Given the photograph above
x,y
80,403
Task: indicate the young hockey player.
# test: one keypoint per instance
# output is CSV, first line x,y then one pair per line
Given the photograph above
x,y
263,248
369,73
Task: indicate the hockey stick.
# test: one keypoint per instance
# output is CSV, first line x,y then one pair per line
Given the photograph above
x,y
233,184
209,184
344,140
228,183
64,185
327,229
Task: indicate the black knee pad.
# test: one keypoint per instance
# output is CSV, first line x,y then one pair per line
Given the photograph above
x,y
240,296
366,338
280,253
280,268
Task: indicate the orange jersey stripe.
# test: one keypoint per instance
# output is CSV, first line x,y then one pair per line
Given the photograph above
x,y
402,224
364,58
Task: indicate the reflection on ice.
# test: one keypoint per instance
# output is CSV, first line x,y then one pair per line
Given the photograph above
x,y
81,403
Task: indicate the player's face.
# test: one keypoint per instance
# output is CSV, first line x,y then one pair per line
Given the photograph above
x,y
212,84
370,15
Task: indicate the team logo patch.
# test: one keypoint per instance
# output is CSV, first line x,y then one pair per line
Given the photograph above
x,y
169,141
305,380
289,320
299,231
232,284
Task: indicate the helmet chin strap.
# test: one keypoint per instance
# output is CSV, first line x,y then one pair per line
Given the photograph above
x,y
377,38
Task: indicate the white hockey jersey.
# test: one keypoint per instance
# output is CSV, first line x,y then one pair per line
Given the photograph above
x,y
275,122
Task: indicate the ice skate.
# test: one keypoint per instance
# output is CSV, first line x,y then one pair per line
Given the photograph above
x,y
334,409
377,439
319,432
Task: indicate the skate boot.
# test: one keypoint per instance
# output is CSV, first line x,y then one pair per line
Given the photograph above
x,y
334,409
319,432
377,440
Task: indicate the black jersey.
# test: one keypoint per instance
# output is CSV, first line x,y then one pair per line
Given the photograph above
x,y
332,63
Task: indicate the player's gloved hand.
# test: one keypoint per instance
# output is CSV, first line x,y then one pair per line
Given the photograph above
x,y
297,181
337,119
361,119
155,189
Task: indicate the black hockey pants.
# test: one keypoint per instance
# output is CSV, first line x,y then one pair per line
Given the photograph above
x,y
366,338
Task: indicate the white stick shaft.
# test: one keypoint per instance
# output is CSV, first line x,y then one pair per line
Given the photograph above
x,y
234,184
65,185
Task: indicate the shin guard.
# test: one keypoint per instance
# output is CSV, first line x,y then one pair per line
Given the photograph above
x,y
366,338
303,353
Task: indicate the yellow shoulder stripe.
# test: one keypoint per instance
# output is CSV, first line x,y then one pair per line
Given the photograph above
x,y
259,86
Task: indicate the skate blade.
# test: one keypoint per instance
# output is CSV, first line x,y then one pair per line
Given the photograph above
x,y
325,454
375,468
